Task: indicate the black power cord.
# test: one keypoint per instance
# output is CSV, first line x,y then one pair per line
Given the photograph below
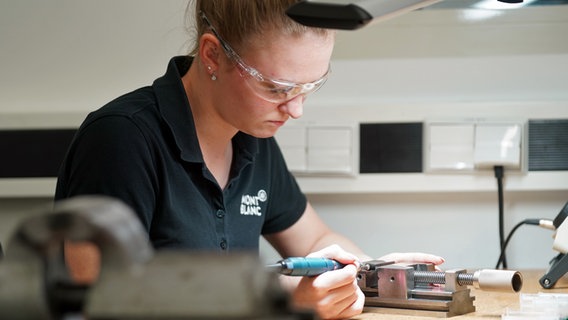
x,y
536,222
499,176
545,223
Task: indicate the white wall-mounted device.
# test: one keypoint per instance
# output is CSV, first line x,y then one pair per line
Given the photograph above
x,y
320,148
472,145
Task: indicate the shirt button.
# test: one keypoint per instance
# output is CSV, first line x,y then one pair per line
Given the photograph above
x,y
223,244
220,214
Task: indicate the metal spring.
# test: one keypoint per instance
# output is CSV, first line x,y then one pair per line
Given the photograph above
x,y
440,277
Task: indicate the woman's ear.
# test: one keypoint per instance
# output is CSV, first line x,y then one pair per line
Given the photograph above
x,y
209,48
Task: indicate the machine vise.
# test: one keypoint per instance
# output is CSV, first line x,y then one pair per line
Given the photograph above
x,y
421,287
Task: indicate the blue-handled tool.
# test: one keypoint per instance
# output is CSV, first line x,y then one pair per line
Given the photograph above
x,y
305,267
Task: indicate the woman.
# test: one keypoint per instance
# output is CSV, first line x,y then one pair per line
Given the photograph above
x,y
194,153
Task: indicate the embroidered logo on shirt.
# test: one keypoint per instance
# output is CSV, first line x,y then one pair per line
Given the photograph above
x,y
250,205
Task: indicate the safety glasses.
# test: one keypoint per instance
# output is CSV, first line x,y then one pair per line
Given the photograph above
x,y
272,90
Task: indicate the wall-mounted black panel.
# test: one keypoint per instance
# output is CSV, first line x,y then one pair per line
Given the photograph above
x,y
390,147
33,153
548,145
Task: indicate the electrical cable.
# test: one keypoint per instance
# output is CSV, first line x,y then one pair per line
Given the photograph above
x,y
544,223
499,176
526,221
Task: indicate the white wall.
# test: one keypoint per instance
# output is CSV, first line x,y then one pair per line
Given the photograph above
x,y
67,57
74,55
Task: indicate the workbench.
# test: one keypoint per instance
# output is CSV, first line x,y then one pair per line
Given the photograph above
x,y
489,305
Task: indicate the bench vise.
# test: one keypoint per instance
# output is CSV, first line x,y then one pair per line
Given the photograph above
x,y
421,287
135,282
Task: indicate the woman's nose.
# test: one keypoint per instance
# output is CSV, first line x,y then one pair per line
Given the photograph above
x,y
294,107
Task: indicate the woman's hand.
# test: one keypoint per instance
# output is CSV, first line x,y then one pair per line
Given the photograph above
x,y
333,294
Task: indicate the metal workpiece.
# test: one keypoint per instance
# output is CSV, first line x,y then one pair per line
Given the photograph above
x,y
421,287
498,280
135,282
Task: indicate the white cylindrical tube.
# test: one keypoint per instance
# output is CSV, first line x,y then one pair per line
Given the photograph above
x,y
498,280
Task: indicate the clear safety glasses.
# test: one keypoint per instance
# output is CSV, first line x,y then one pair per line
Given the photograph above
x,y
272,90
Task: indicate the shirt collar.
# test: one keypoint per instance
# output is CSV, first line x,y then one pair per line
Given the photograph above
x,y
176,112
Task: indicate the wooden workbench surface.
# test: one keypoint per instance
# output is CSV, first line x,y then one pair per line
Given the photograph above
x,y
489,305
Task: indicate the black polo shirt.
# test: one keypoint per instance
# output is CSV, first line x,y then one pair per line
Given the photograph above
x,y
142,148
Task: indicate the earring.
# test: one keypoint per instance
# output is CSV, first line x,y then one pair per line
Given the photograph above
x,y
213,76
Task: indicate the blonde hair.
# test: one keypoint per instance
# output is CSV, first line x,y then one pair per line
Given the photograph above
x,y
239,20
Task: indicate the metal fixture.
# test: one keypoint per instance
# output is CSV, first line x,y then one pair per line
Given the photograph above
x,y
421,287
